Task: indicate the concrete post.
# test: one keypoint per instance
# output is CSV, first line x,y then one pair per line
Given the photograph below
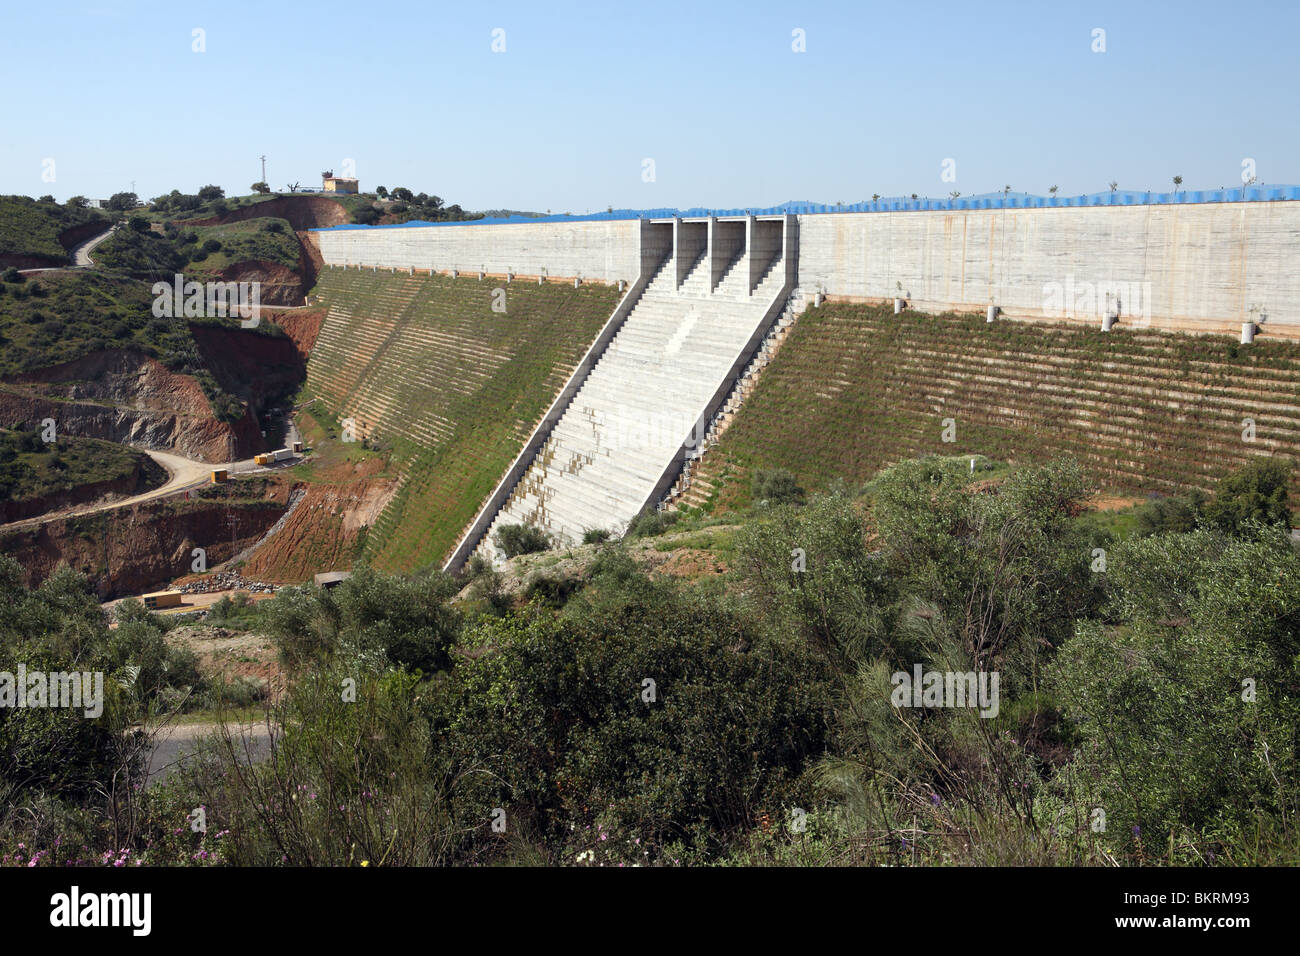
x,y
992,313
677,253
789,251
713,254
898,305
752,260
1248,330
1107,322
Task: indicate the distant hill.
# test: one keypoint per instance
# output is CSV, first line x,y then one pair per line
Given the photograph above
x,y
507,213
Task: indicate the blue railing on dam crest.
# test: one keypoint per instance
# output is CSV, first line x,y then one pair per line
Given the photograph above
x,y
902,204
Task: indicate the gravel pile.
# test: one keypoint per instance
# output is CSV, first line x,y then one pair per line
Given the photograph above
x,y
227,581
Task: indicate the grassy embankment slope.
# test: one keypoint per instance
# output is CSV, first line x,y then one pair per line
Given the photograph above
x,y
58,317
856,387
426,369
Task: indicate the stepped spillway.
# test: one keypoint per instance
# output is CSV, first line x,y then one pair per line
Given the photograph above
x,y
645,397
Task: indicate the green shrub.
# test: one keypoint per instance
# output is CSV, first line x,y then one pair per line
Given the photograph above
x,y
595,536
551,590
651,524
1187,712
1254,493
407,622
1175,514
350,784
810,573
776,487
664,719
517,539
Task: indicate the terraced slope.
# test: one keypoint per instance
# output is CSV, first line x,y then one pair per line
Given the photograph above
x,y
425,365
856,387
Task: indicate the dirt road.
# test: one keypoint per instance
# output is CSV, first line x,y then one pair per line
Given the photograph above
x,y
184,474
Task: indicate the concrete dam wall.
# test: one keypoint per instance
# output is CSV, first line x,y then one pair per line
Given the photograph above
x,y
599,251
1195,266
704,292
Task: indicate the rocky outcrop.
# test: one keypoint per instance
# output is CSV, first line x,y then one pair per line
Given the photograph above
x,y
302,326
280,285
127,397
143,547
258,369
201,439
30,262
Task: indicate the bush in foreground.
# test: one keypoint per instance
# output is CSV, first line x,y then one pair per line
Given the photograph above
x,y
517,539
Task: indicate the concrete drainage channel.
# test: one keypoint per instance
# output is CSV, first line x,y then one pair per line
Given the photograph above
x,y
295,499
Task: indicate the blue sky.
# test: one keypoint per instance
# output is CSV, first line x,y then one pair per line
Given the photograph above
x,y
713,93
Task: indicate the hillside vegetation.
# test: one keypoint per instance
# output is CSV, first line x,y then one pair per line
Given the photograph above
x,y
621,718
32,228
199,249
31,468
425,367
856,387
58,317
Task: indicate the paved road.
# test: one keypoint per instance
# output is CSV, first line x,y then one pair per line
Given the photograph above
x,y
80,255
175,744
